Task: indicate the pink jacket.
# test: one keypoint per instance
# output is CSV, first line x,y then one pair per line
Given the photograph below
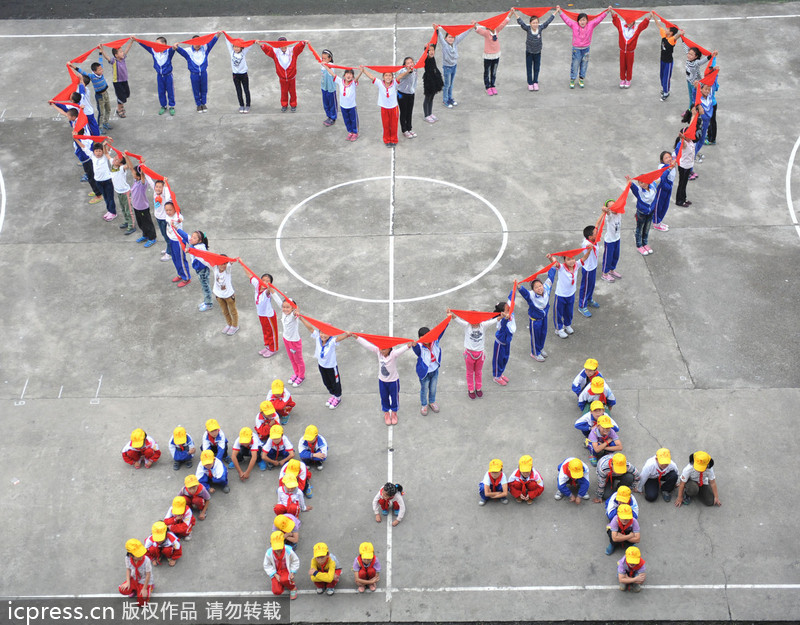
x,y
582,37
489,46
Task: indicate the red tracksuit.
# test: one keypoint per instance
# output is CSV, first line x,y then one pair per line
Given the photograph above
x,y
627,47
286,75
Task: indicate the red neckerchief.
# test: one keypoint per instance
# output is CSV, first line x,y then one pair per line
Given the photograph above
x,y
344,88
624,526
280,561
324,565
571,273
136,566
632,568
496,482
387,88
369,569
701,477
565,469
312,445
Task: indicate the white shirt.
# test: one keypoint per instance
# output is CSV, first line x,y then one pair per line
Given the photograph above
x,y
238,59
567,279
347,93
325,354
284,58
397,499
473,337
291,327
387,96
613,227
120,180
689,473
217,470
487,481
176,220
101,169
223,285
591,261
263,300
166,196
651,469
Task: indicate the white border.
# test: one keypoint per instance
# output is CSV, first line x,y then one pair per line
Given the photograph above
x,y
789,202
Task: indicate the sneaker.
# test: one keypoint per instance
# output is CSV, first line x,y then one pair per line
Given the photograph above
x,y
429,119
141,239
664,96
385,512
642,251
624,587
571,86
707,142
585,496
188,463
294,108
354,137
585,312
609,549
537,357
471,394
284,109
387,418
504,500
320,466
129,231
162,110
647,249
241,109
227,460
694,176
569,330
594,304
176,466
683,204
481,502
434,407
701,158
123,226
108,126
636,587
561,333
593,461
329,591
536,86
262,465
204,108
225,329
621,84
199,108
320,591
436,119
95,200
204,307
407,134
309,491
165,258
543,353
334,402
666,495
558,496
233,331
530,87
111,216
226,489
661,227
505,379
150,243
85,178
499,381
449,106
177,279
627,84
616,274
478,392
580,83
607,277
297,382
489,91
183,283
246,110
268,353
494,90
411,134
328,122
172,111
454,103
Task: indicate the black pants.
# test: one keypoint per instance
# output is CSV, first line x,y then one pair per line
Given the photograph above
x,y
490,72
88,169
145,223
122,91
668,482
712,127
625,544
703,493
330,378
242,83
427,105
406,103
244,453
683,179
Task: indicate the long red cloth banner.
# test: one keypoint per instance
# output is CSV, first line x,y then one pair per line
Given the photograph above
x,y
474,316
436,332
532,277
239,43
323,327
252,274
383,342
533,11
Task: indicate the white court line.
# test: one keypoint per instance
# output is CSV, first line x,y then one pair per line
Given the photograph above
x,y
389,471
2,199
789,202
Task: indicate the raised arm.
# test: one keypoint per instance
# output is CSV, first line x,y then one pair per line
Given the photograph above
x,y
368,73
103,53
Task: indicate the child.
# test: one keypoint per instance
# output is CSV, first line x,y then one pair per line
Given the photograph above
x,y
293,342
623,528
602,439
325,570
614,471
387,101
286,68
664,191
163,544
388,376
533,46
432,83
328,86
582,30
622,496
325,353
347,99
119,179
565,292
81,99
290,526
141,450
197,62
141,209
300,471
628,38
389,497
281,563
406,88
102,176
590,418
659,473
266,314
196,495
449,62
139,581
290,497
161,195
281,400
572,481
706,111
174,222
694,67
215,440
588,273
100,92
241,81
182,448
473,354
585,376
645,198
119,74
526,484
245,448
367,568
596,390
429,360
494,484
198,240
211,470
631,570
223,290
265,419
711,137
277,449
502,342
611,239
313,448
685,165
491,55
538,298
179,518
162,63
698,480
669,37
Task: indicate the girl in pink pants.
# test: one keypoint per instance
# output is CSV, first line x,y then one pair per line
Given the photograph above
x,y
473,354
293,342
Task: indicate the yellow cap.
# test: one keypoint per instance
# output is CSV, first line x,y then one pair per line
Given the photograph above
x,y
590,364
311,433
575,468
135,547
625,512
277,387
597,405
207,458
604,421
179,435
623,494
496,465
663,456
366,551
159,531
212,425
290,481
293,467
598,386
137,438
191,480
283,523
266,407
701,460
320,549
276,540
276,432
179,505
619,463
245,436
525,463
633,555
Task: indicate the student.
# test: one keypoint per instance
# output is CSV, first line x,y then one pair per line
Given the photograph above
x,y
80,99
290,498
102,176
389,497
241,80
313,448
622,529
215,440
698,480
494,484
602,439
631,570
197,62
277,449
582,29
628,38
502,341
711,137
198,240
119,74
706,110
245,448
388,376
212,470
589,419
281,400
645,198
290,526
694,68
141,208
387,101
611,238
266,314
100,92
281,563
367,568
328,86
669,37
141,451
597,389
162,63
300,472
196,495
491,55
685,165
347,85
432,83
179,518
161,195
525,484
325,353
572,481
585,376
325,570
449,61
174,223
182,448
286,68
82,151
139,581
429,360
474,356
406,88
292,341
565,292
265,419
614,471
588,273
659,473
538,298
119,179
533,46
226,298
664,191
622,496
163,543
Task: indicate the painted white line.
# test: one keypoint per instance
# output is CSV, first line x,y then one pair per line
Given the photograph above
x,y
789,202
96,399
24,388
389,478
60,391
391,244
489,267
2,198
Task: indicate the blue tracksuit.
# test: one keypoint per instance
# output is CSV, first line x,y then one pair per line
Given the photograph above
x,y
166,91
198,71
428,380
502,346
663,194
329,96
537,317
180,453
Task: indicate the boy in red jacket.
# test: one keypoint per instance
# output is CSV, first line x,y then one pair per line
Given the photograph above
x,y
628,38
286,68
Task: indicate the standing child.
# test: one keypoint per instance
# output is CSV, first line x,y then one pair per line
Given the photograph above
x,y
429,360
161,195
491,55
199,241
565,292
432,83
685,164
538,298
645,198
347,99
694,68
388,376
281,400
711,137
502,342
389,497
669,37
474,356
387,101
139,581
182,448
119,74
328,86
197,62
406,88
292,341
100,92
449,61
119,178
174,222
582,29
223,290
611,239
533,47
286,68
664,191
588,273
102,176
80,98
162,63
325,353
494,484
141,209
266,314
628,38
241,81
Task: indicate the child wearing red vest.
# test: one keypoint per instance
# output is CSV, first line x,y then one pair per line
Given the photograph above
x,y
179,518
141,450
286,68
265,419
281,563
367,568
281,400
196,495
163,544
138,573
630,570
325,569
628,38
389,497
526,484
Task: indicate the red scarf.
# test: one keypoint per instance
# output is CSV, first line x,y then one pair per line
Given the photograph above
x,y
312,446
571,272
280,562
136,574
565,469
370,570
632,568
700,480
623,527
495,483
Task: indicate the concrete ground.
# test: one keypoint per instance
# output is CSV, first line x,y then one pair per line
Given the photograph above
x,y
698,341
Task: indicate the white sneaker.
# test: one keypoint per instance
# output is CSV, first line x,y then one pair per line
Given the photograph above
x,y
561,333
166,258
569,329
558,496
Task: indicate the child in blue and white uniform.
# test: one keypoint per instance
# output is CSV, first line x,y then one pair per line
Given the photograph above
x,y
645,198
571,480
429,359
182,448
502,341
597,389
538,299
565,292
198,240
162,63
494,484
215,440
622,496
589,419
611,238
197,61
313,448
664,191
584,377
174,222
347,85
588,273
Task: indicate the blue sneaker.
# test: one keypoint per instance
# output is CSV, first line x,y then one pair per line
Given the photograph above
x,y
150,243
609,549
85,178
141,239
309,491
262,465
385,512
594,304
395,512
585,312
227,460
